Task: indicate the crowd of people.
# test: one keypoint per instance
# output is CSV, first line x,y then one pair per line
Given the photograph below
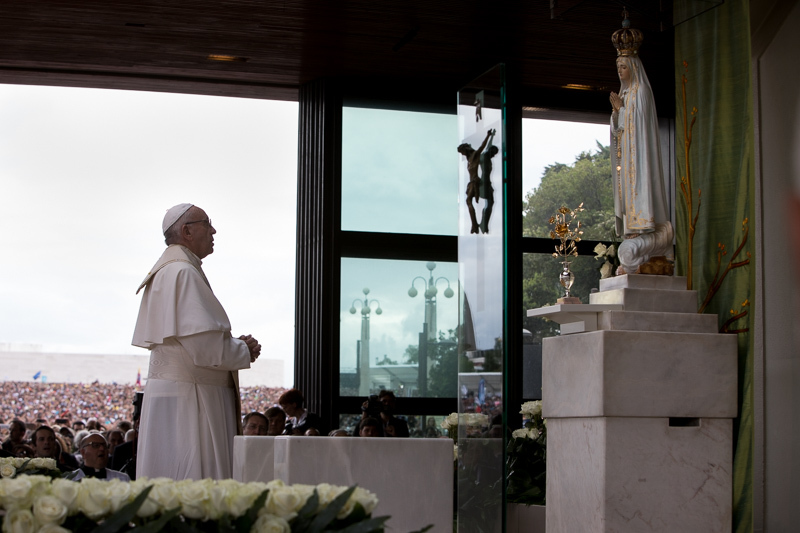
x,y
109,403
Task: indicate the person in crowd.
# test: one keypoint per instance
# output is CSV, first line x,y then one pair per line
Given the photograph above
x,y
16,435
298,420
191,393
131,434
125,454
255,424
94,449
68,437
277,420
78,425
93,425
23,450
115,437
124,426
78,438
339,433
370,427
383,406
311,432
45,445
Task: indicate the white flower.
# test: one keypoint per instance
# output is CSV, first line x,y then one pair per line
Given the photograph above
x,y
165,493
532,433
268,523
7,469
367,499
94,498
450,422
606,270
194,497
285,501
49,510
612,251
149,506
16,492
19,521
119,493
242,496
600,250
531,409
519,433
43,463
66,491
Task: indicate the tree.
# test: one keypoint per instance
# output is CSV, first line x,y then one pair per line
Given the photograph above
x,y
445,363
589,181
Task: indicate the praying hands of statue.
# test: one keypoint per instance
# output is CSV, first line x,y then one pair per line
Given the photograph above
x,y
616,101
253,346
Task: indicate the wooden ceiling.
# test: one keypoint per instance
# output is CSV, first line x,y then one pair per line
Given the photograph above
x,y
425,46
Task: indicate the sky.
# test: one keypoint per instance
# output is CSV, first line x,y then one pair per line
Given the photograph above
x,y
87,175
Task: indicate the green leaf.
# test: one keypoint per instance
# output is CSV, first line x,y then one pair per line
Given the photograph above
x,y
424,529
328,514
156,525
302,521
122,518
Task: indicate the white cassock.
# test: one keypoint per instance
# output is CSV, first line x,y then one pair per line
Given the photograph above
x,y
191,409
640,200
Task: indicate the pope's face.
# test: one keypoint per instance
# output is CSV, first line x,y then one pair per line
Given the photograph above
x,y
202,233
95,452
623,71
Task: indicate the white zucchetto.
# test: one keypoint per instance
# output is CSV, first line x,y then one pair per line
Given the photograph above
x,y
172,216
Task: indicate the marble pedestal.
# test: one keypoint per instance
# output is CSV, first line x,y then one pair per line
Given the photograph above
x,y
639,415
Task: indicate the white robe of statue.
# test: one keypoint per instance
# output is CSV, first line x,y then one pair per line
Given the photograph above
x,y
640,200
190,410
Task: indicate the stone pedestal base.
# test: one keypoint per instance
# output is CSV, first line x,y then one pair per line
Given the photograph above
x,y
639,474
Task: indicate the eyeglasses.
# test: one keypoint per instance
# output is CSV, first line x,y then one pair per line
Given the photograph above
x,y
96,445
206,221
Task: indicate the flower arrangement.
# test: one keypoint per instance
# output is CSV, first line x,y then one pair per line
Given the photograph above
x,y
474,422
607,254
562,231
39,504
11,467
526,457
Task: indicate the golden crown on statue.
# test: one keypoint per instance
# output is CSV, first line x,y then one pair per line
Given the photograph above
x,y
627,40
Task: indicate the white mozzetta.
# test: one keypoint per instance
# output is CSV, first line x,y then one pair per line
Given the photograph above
x,y
413,478
657,300
632,373
253,459
638,475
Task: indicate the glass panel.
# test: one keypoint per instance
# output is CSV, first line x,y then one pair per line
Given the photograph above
x,y
427,427
395,315
566,163
480,254
398,174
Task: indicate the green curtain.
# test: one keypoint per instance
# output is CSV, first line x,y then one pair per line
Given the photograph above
x,y
715,196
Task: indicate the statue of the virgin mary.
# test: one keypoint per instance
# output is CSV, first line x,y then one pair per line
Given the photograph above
x,y
640,201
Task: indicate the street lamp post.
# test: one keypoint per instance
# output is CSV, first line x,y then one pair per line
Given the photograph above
x,y
430,331
363,356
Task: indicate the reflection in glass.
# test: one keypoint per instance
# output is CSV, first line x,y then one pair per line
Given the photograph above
x,y
397,172
408,347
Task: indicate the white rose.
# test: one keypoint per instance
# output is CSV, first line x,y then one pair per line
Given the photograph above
x,y
531,409
600,250
7,470
94,498
533,433
41,462
284,502
149,506
66,491
519,433
16,492
241,497
49,510
606,270
166,495
612,251
367,499
194,499
19,521
268,523
119,493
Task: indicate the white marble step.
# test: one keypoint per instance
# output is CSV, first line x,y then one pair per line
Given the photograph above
x,y
640,374
653,300
641,281
651,321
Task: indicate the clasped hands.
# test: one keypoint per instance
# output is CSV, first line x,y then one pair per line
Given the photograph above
x,y
616,101
252,345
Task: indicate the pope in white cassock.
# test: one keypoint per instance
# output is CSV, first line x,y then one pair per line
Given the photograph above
x,y
191,409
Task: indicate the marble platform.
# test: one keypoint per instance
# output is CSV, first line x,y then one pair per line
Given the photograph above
x,y
413,478
639,414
